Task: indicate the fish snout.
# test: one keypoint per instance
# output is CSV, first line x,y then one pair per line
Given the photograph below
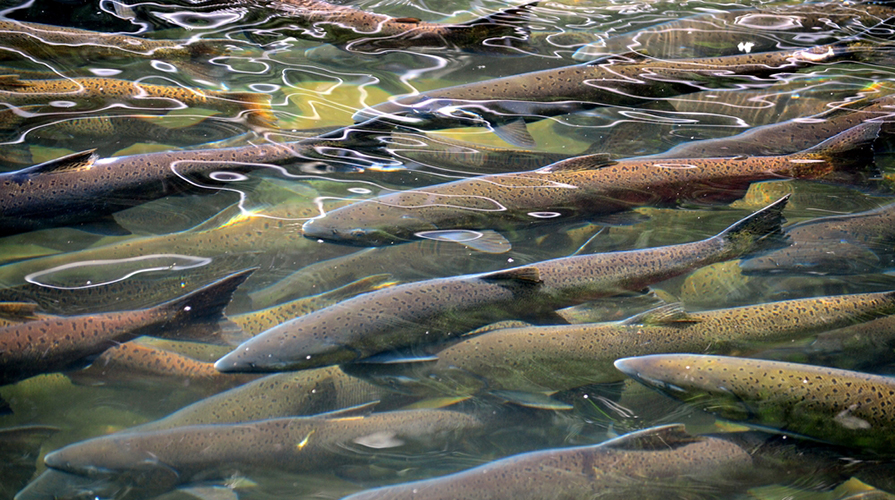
x,y
361,236
299,355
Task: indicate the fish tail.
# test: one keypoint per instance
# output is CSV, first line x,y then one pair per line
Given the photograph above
x,y
257,107
758,232
203,307
847,157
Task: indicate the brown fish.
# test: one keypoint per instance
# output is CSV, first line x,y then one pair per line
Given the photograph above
x,y
436,310
60,343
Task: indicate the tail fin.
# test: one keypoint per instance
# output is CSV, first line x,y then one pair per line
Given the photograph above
x,y
847,157
257,106
204,306
758,232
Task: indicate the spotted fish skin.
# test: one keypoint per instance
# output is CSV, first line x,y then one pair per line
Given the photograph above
x,y
836,406
58,343
360,30
585,186
93,93
436,310
81,188
551,92
36,39
839,245
562,357
296,444
644,464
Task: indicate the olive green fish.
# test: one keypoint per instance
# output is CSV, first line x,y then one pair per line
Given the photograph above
x,y
504,104
858,243
586,186
432,311
837,406
547,359
362,31
651,463
19,449
186,454
54,344
95,93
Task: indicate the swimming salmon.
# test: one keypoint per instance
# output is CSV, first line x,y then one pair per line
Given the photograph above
x,y
580,187
504,104
362,31
432,311
546,359
837,406
95,93
186,454
60,343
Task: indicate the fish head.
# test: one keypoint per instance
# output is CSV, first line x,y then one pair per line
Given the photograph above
x,y
368,223
114,457
823,258
271,352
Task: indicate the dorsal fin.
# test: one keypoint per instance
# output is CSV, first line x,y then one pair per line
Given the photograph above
x,y
516,14
408,20
67,163
528,274
18,311
500,325
531,400
668,314
655,438
579,163
515,132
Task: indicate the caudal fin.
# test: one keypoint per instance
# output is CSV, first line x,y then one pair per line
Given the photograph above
x,y
758,232
199,315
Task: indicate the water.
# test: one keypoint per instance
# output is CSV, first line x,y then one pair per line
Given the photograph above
x,y
179,244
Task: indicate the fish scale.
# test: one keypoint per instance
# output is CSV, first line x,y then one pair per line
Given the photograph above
x,y
838,406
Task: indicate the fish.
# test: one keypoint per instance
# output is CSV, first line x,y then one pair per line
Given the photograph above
x,y
505,104
56,344
96,92
187,454
554,358
860,243
84,190
20,39
357,30
437,310
835,406
740,30
651,463
584,187
19,449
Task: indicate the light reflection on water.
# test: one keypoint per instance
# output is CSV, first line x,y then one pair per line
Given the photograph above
x,y
249,219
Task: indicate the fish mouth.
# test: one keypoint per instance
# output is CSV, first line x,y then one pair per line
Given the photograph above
x,y
360,236
267,362
59,460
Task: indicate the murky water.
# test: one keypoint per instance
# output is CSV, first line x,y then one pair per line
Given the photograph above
x,y
267,79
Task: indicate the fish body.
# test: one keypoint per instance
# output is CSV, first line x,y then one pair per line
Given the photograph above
x,y
562,357
838,245
502,102
362,31
580,187
59,343
295,444
432,311
643,464
836,406
94,93
83,189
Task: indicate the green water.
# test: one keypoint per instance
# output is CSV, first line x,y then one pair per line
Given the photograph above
x,y
255,221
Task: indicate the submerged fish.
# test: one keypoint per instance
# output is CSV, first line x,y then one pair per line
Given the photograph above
x,y
838,245
60,343
362,31
557,358
436,310
837,406
19,449
506,103
187,454
94,93
586,186
646,464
